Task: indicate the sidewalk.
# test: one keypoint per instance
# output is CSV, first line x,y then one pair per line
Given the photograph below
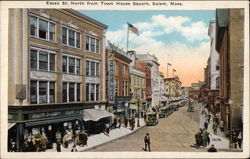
x,y
100,139
220,141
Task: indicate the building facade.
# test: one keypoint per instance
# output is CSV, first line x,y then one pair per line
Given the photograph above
x,y
118,84
172,86
57,70
155,78
230,46
137,86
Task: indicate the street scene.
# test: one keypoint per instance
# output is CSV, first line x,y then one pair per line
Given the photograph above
x,y
136,81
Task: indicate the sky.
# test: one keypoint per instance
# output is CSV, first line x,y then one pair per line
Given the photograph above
x,y
178,37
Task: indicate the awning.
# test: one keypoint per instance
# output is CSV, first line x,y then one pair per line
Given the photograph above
x,y
51,121
132,106
10,125
95,114
163,98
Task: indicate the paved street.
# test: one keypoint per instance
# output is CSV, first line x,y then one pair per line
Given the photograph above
x,y
174,133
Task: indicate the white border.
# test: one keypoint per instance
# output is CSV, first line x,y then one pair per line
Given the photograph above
x,y
187,5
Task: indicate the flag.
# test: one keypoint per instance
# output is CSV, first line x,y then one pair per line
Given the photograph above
x,y
133,29
169,64
174,70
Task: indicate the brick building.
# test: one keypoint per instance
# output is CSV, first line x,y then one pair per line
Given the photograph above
x,y
118,84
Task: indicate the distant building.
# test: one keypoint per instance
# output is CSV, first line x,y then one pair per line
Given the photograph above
x,y
172,86
155,81
230,46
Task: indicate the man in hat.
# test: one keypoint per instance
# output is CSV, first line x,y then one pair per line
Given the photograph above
x,y
212,149
147,142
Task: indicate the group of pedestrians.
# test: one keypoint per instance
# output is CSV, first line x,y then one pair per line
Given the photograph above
x,y
236,138
202,138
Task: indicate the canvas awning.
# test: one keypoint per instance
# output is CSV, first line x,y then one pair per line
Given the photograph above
x,y
10,125
163,98
132,106
95,114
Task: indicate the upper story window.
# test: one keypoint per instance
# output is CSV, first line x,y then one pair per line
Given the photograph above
x,y
42,60
70,37
92,44
70,65
92,68
42,28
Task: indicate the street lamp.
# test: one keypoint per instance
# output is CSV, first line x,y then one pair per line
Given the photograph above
x,y
138,124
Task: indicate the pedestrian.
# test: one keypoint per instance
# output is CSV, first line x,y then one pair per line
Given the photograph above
x,y
215,126
204,139
206,124
197,139
212,149
58,146
119,122
147,142
13,147
234,138
133,123
239,139
222,125
207,137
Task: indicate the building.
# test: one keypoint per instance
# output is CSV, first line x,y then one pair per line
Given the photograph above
x,y
137,86
230,46
213,70
172,86
155,81
56,71
146,68
163,93
118,85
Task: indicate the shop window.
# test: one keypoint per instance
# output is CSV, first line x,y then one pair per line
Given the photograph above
x,y
70,37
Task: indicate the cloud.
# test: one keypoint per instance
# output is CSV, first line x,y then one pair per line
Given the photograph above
x,y
189,61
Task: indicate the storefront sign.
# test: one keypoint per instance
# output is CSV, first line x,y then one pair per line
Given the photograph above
x,y
111,80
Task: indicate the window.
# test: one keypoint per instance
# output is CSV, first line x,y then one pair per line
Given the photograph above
x,y
123,70
42,60
217,82
71,65
52,92
92,92
65,99
70,37
71,92
92,68
42,28
33,92
92,44
33,25
42,92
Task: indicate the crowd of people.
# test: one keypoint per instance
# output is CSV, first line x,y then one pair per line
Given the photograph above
x,y
203,137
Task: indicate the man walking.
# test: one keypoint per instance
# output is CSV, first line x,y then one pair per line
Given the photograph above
x,y
147,142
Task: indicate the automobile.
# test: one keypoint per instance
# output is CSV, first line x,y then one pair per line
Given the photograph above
x,y
151,118
163,112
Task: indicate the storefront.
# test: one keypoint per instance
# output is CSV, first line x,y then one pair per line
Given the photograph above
x,y
52,122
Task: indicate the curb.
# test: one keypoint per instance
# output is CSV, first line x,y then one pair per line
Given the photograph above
x,y
89,148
